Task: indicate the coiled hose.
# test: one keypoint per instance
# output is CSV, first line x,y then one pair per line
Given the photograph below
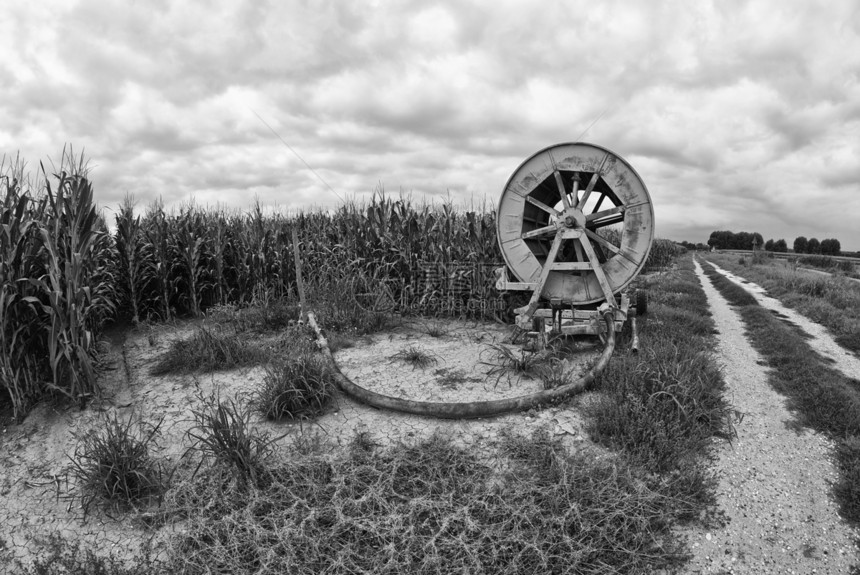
x,y
473,409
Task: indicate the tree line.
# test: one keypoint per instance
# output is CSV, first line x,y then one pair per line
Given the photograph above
x,y
727,240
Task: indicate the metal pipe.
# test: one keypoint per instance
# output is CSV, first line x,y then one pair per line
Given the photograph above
x,y
472,409
634,345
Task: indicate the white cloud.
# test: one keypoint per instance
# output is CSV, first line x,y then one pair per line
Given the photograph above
x,y
738,115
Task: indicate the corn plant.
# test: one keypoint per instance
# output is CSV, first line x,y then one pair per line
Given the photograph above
x,y
135,258
56,287
160,235
78,296
20,333
191,243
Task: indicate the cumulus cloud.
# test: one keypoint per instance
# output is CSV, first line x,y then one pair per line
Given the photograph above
x,y
737,115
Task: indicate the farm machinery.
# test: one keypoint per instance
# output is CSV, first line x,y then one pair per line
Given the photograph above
x,y
575,225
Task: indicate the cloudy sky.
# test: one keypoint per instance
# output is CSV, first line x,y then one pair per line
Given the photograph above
x,y
737,115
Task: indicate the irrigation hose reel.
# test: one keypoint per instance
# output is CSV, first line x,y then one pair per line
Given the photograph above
x,y
552,227
575,225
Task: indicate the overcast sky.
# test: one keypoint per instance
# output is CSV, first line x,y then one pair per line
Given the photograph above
x,y
737,115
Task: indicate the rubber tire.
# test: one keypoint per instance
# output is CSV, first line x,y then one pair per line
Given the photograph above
x,y
641,302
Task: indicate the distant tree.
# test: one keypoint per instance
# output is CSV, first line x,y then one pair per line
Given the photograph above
x,y
722,240
830,247
812,246
780,246
743,241
768,245
800,245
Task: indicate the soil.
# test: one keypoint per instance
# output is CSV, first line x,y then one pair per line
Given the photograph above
x,y
37,495
774,480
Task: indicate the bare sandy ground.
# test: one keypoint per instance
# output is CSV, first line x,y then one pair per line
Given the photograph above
x,y
774,484
37,496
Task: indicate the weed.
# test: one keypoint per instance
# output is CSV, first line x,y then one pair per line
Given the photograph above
x,y
452,378
298,388
435,507
339,340
556,373
263,316
416,356
523,362
59,556
847,489
222,434
115,465
437,330
209,349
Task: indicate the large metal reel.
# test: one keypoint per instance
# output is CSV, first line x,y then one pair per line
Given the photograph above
x,y
572,194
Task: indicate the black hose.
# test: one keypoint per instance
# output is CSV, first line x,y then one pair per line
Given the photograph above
x,y
473,408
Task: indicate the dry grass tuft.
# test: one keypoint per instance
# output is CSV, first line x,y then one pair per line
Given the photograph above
x,y
297,388
434,507
209,349
115,466
416,356
223,436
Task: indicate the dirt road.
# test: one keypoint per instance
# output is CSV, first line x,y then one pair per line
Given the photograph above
x,y
819,338
774,482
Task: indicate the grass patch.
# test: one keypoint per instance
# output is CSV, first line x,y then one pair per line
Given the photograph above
x,y
823,398
435,507
223,436
209,349
453,378
436,329
297,388
520,362
556,373
416,356
114,466
663,406
834,301
59,556
259,316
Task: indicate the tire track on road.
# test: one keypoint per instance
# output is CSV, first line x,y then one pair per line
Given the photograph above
x,y
821,340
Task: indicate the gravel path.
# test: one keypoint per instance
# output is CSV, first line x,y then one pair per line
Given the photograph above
x,y
821,340
774,482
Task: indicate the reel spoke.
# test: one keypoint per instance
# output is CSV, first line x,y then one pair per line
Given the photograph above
x,y
545,231
591,183
602,242
561,191
604,213
611,220
543,206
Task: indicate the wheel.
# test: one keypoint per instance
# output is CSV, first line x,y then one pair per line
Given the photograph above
x,y
573,208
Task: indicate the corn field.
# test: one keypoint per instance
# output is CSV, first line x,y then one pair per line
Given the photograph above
x,y
63,272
